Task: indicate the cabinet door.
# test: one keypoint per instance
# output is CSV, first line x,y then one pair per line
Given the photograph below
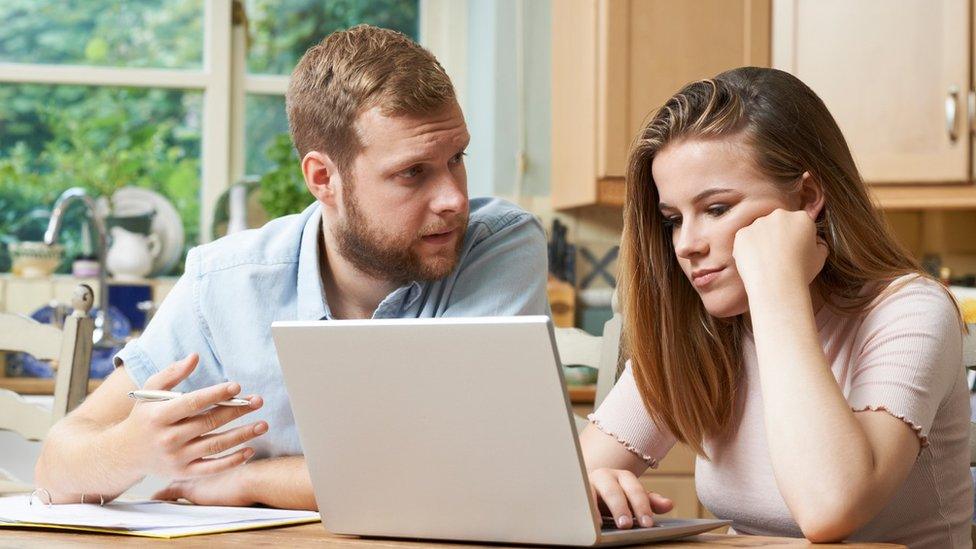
x,y
573,130
614,62
894,73
654,47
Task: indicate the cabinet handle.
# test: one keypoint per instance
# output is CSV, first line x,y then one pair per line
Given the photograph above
x,y
951,113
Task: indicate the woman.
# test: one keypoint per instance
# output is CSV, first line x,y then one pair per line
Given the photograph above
x,y
775,326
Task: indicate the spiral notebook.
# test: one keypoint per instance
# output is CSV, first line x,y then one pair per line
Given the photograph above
x,y
157,519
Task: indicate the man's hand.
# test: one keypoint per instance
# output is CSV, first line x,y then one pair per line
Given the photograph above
x,y
176,438
281,482
226,488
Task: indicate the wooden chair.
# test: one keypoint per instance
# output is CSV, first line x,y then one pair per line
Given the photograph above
x,y
69,349
577,347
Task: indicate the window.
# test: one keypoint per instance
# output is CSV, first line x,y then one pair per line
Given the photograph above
x,y
182,97
279,32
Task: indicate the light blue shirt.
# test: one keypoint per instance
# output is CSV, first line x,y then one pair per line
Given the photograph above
x,y
234,288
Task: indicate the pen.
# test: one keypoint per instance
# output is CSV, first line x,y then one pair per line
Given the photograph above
x,y
159,396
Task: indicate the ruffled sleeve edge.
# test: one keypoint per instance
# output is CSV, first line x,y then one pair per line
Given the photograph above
x,y
651,462
923,439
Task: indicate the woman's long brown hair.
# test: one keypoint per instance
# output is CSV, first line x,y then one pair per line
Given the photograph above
x,y
687,363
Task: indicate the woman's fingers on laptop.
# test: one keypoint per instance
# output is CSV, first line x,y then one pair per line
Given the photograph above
x,y
659,503
614,497
169,377
637,497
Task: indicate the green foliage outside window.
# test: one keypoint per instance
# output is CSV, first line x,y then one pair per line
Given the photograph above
x,y
283,189
119,33
281,31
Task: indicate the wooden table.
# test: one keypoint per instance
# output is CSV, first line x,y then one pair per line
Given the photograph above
x,y
313,535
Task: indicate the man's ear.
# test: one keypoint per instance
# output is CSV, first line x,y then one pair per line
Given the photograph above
x,y
322,178
811,195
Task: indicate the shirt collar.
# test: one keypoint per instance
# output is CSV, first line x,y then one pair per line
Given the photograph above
x,y
311,295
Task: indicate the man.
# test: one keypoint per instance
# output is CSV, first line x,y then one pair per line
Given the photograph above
x,y
391,234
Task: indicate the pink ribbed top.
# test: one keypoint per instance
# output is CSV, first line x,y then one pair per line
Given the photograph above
x,y
902,356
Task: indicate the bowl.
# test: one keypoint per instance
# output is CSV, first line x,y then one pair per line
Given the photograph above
x,y
579,375
34,259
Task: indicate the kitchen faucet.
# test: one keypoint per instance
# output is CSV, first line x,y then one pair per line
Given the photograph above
x,y
103,322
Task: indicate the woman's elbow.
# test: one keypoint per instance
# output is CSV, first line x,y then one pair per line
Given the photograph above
x,y
826,531
827,524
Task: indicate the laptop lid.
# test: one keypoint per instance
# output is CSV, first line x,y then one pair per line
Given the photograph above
x,y
442,428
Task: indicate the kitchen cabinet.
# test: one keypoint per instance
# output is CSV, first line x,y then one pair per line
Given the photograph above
x,y
896,75
614,62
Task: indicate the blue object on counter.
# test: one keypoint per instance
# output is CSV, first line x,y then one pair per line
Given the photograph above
x,y
126,298
25,365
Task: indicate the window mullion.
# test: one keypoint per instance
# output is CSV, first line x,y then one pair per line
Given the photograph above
x,y
444,31
238,113
216,147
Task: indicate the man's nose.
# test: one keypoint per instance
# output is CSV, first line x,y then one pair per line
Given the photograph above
x,y
451,195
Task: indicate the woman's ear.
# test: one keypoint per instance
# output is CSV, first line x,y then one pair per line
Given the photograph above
x,y
811,195
321,177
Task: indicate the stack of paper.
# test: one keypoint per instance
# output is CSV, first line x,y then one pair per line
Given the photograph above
x,y
144,518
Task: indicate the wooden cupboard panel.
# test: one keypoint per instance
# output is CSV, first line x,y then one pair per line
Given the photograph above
x,y
574,74
664,45
680,460
613,94
899,197
884,68
615,61
680,489
971,104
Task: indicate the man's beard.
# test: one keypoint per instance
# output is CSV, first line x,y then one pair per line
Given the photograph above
x,y
393,258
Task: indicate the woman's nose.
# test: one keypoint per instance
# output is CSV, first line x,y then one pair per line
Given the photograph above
x,y
689,242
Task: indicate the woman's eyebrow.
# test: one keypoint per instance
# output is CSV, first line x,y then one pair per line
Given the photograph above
x,y
700,196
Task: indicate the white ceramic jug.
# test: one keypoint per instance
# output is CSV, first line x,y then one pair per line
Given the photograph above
x,y
131,254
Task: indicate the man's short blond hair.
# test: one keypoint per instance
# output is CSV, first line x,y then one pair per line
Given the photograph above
x,y
352,71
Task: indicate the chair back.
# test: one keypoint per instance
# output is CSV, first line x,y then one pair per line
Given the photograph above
x,y
69,349
578,347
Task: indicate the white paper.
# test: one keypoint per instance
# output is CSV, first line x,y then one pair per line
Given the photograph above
x,y
141,515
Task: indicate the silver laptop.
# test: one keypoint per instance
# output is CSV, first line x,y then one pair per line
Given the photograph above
x,y
448,428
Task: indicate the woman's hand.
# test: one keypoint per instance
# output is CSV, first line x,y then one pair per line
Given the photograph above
x,y
177,438
779,249
625,497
